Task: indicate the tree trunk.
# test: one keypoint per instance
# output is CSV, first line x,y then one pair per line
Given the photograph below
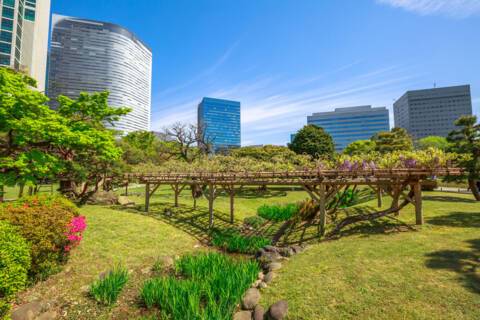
x,y
473,186
20,190
2,191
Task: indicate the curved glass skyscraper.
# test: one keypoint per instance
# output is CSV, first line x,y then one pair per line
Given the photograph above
x,y
92,56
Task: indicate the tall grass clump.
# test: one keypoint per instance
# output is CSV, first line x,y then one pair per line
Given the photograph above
x,y
233,241
106,290
205,286
278,212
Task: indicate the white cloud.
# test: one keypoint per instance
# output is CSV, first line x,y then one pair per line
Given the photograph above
x,y
452,8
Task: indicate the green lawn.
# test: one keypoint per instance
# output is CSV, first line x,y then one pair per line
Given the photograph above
x,y
383,271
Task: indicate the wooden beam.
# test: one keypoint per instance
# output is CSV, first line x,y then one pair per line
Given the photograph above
x,y
232,199
418,203
126,189
322,209
379,196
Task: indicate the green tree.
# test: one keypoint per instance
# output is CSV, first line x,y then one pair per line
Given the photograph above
x,y
397,139
466,140
70,144
437,142
314,141
360,147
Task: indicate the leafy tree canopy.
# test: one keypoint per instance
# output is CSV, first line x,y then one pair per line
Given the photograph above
x,y
466,140
395,140
433,142
314,141
360,147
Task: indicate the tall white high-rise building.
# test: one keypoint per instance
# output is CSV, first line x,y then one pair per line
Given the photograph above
x,y
24,37
93,56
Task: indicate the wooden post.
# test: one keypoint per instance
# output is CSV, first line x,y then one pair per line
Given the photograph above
x,y
417,188
322,209
2,192
379,196
211,195
147,196
126,189
232,197
175,190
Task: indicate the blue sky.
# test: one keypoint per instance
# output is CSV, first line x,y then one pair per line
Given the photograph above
x,y
284,59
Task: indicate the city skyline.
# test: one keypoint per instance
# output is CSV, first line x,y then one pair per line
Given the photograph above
x,y
283,69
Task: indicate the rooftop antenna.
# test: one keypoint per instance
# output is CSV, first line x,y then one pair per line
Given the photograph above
x,y
434,84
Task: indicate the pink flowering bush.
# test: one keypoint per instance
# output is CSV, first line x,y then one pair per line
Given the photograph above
x,y
75,232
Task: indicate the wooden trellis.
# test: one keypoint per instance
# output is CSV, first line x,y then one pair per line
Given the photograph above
x,y
321,185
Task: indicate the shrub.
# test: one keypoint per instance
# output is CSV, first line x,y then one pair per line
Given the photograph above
x,y
14,265
107,289
278,212
44,222
254,221
205,286
232,241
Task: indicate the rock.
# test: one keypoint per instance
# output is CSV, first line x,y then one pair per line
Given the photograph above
x,y
242,315
270,248
296,248
104,197
27,311
256,283
278,310
166,262
269,277
274,266
258,313
250,299
262,285
268,257
124,201
260,253
49,315
261,275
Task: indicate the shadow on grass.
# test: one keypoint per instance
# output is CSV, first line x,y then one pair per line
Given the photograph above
x,y
448,199
457,219
466,263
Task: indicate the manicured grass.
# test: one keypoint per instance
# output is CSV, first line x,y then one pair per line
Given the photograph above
x,y
205,286
381,273
112,237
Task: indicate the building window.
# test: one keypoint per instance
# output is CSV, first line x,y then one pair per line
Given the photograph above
x,y
6,36
10,3
7,12
4,60
5,47
7,24
30,14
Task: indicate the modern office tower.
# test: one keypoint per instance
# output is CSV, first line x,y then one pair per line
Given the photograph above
x,y
347,125
432,112
220,120
24,37
93,56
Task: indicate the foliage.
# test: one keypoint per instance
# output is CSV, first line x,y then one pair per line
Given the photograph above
x,y
346,199
70,143
436,142
14,265
206,286
360,147
43,222
313,141
277,212
232,241
254,221
466,141
145,147
395,140
107,289
270,153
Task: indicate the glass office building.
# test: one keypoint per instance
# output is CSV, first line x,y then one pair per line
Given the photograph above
x,y
24,37
93,56
432,112
220,120
347,125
